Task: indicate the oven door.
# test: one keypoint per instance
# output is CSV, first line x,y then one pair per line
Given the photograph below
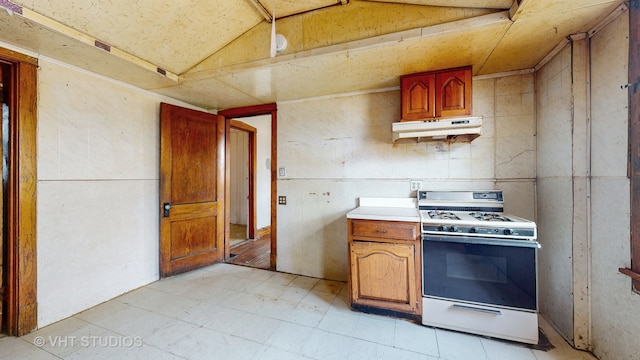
x,y
480,270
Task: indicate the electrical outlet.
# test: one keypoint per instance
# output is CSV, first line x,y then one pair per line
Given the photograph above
x,y
415,185
282,200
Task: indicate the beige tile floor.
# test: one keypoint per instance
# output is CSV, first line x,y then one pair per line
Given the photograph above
x,y
234,312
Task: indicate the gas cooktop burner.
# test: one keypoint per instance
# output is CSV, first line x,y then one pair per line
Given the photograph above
x,y
442,215
489,216
474,215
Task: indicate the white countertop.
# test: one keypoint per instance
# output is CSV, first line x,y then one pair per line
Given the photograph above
x,y
389,209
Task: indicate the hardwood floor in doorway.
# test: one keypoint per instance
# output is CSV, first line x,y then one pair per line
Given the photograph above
x,y
253,253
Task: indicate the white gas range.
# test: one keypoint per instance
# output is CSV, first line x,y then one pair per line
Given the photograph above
x,y
479,265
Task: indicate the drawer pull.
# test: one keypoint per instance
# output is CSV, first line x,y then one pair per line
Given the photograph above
x,y
381,231
473,308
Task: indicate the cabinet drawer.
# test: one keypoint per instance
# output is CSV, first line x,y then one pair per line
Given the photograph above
x,y
385,229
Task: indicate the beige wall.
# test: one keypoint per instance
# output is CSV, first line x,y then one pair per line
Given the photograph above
x,y
555,191
98,212
583,221
615,309
338,149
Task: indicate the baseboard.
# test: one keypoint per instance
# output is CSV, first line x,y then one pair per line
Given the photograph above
x,y
262,232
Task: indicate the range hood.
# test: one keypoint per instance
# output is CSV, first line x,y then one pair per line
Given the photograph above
x,y
450,129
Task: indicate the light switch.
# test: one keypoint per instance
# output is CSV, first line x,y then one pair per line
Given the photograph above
x,y
282,172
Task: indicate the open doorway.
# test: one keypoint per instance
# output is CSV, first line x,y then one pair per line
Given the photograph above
x,y
259,247
249,148
242,182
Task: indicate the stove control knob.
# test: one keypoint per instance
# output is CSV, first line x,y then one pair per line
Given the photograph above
x,y
473,229
453,229
508,231
441,228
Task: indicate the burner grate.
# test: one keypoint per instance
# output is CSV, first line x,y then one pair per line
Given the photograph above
x,y
489,216
442,215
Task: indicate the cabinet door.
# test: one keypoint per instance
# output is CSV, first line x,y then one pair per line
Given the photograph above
x,y
417,94
453,92
384,275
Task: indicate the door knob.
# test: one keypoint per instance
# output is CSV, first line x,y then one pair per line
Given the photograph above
x,y
166,207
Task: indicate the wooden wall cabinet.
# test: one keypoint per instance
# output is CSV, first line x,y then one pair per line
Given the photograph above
x,y
436,94
384,262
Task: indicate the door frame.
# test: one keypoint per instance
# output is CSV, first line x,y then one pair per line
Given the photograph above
x,y
252,146
257,110
20,293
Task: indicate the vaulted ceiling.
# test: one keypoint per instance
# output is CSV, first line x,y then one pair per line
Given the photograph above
x,y
216,53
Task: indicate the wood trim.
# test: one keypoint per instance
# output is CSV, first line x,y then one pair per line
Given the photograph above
x,y
25,162
262,232
634,135
247,111
274,187
21,295
221,193
253,171
241,126
227,190
256,110
632,274
16,57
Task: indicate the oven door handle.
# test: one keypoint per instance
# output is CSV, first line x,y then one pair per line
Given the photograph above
x,y
473,308
480,240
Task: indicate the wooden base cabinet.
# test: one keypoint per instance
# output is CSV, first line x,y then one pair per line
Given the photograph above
x,y
384,260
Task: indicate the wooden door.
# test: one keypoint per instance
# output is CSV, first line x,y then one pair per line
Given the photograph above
x,y
191,189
